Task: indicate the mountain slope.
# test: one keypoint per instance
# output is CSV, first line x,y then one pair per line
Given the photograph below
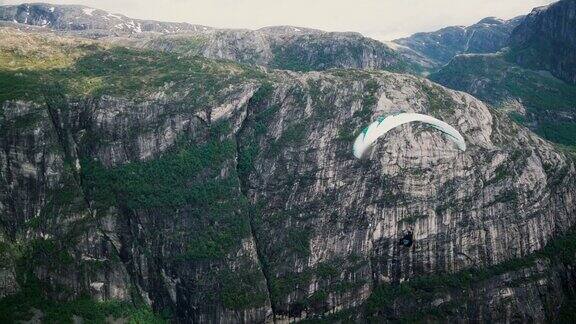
x,y
86,21
280,47
216,192
535,98
533,78
288,48
546,40
487,36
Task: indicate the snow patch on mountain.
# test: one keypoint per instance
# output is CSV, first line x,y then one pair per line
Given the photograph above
x,y
88,11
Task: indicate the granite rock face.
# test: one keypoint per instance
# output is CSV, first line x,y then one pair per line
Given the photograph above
x,y
535,293
242,202
341,218
546,40
106,249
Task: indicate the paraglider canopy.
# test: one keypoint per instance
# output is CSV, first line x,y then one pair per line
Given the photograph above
x,y
382,125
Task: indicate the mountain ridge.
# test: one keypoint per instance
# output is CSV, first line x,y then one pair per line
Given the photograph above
x,y
489,35
281,47
276,46
81,18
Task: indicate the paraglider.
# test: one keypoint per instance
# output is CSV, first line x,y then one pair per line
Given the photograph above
x,y
382,125
407,240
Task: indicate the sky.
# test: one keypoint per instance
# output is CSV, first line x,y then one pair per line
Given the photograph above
x,y
379,19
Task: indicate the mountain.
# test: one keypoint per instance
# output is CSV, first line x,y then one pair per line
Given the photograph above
x,y
86,21
546,40
489,35
536,99
280,47
137,180
289,48
533,78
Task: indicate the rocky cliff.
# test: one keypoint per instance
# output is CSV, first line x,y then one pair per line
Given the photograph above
x,y
343,207
546,40
215,192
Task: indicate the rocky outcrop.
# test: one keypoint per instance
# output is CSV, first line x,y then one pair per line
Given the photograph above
x,y
546,40
489,35
216,192
8,282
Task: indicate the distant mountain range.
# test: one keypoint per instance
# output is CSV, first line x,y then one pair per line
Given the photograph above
x,y
533,78
89,21
489,35
282,47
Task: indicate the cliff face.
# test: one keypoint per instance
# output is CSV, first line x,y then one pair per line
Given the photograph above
x,y
341,219
537,291
546,40
487,36
219,193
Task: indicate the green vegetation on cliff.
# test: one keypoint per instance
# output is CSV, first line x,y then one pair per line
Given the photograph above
x,y
32,302
181,216
93,69
558,252
318,52
494,80
187,175
547,100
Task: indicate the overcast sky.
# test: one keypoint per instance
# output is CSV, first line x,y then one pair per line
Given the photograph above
x,y
380,19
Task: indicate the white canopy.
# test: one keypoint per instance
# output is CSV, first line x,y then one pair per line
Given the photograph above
x,y
381,126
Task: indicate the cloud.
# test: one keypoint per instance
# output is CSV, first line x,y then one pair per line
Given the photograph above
x,y
381,19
